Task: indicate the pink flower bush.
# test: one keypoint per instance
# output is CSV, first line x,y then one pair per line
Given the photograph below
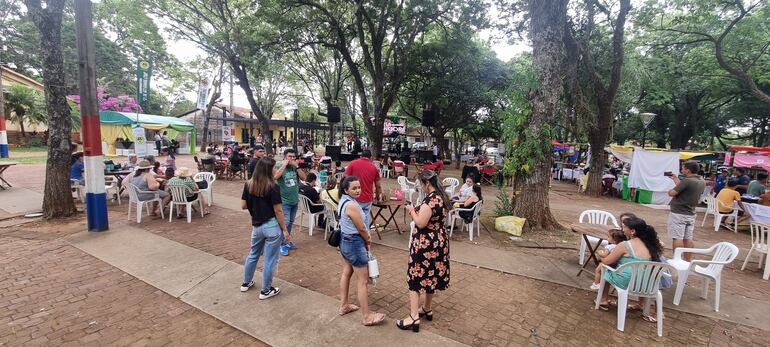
x,y
122,103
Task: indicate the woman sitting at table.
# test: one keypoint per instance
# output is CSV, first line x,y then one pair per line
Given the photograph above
x,y
145,182
469,203
642,245
465,190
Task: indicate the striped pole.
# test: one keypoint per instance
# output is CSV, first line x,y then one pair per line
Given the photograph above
x,y
96,197
3,133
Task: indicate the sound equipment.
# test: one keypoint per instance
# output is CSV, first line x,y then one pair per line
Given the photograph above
x,y
334,152
333,114
429,118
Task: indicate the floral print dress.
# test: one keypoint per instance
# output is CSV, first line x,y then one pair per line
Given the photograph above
x,y
429,251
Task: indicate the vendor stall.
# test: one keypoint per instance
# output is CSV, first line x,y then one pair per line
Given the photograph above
x,y
121,132
647,177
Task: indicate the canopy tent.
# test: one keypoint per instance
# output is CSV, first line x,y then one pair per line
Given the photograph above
x,y
624,153
119,124
765,150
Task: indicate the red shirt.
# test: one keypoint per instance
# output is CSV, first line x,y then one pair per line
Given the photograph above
x,y
367,174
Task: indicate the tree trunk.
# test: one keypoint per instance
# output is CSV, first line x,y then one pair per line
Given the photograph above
x,y
21,127
458,147
57,195
598,138
267,136
530,197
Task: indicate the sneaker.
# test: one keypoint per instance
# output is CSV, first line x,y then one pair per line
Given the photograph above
x,y
269,293
284,250
246,286
594,286
291,245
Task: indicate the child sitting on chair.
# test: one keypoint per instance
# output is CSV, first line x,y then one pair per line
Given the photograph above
x,y
616,236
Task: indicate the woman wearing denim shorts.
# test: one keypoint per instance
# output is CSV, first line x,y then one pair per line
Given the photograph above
x,y
354,243
262,197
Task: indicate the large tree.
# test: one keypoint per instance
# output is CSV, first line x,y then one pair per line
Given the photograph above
x,y
232,30
381,34
593,101
57,196
532,128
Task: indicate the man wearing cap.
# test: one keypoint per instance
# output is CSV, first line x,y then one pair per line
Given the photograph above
x,y
182,178
256,154
721,180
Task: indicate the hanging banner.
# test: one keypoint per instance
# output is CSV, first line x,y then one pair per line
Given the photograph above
x,y
140,141
203,93
143,75
227,134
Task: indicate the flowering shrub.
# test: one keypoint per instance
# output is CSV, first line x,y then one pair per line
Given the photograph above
x,y
107,102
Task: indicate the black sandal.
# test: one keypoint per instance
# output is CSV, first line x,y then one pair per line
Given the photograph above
x,y
415,326
427,314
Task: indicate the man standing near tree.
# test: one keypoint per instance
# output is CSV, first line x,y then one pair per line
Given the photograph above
x,y
685,196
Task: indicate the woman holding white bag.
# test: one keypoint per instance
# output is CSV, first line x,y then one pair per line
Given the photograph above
x,y
355,241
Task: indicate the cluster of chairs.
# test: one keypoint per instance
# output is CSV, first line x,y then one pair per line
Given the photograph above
x,y
227,172
646,275
178,198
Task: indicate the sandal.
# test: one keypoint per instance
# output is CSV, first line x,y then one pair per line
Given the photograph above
x,y
604,307
634,308
347,309
378,318
427,314
649,318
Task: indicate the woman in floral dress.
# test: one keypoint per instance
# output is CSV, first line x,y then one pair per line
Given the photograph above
x,y
428,269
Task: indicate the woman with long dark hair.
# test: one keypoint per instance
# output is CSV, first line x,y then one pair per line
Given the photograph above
x,y
354,243
262,197
642,245
428,268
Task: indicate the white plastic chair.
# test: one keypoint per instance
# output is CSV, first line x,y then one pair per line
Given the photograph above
x,y
724,253
759,243
594,217
454,215
330,213
719,215
408,187
644,283
711,208
452,183
304,208
112,187
133,198
179,197
209,191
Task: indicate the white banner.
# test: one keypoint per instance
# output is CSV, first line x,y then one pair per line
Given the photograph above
x,y
140,141
227,134
203,93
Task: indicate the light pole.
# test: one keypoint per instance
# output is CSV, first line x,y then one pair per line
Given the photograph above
x,y
647,118
296,115
285,131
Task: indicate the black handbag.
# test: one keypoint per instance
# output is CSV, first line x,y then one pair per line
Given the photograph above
x,y
336,235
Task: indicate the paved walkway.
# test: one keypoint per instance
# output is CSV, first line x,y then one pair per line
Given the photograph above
x,y
733,308
296,317
18,201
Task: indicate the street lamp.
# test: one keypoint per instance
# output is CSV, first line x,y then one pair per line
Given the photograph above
x,y
285,131
647,118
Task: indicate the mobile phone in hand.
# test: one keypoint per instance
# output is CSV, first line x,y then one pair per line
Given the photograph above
x,y
668,174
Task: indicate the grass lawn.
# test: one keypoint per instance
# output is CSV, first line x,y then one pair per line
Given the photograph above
x,y
29,149
26,160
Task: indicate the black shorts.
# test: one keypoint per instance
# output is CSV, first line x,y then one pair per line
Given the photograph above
x,y
192,198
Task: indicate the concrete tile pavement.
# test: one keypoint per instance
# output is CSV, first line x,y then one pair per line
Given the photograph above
x,y
297,317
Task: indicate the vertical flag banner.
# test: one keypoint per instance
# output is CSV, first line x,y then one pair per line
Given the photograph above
x,y
227,134
143,76
140,141
203,93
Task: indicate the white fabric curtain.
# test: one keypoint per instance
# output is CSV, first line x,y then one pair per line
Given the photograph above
x,y
647,170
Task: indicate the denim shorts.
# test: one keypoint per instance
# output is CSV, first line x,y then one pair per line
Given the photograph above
x,y
353,250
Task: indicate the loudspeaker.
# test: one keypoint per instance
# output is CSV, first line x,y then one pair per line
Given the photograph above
x,y
333,114
428,118
334,152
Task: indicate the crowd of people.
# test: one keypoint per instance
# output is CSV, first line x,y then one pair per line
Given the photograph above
x,y
271,196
